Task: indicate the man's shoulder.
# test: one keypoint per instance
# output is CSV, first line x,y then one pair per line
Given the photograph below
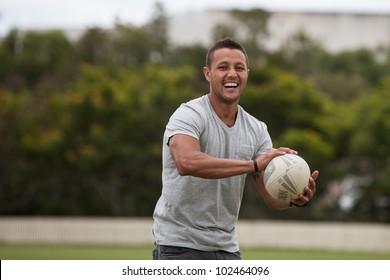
x,y
198,105
199,101
192,110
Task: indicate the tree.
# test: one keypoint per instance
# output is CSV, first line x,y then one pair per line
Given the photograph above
x,y
255,21
99,152
370,150
36,57
158,32
221,31
81,123
92,47
253,27
297,116
342,76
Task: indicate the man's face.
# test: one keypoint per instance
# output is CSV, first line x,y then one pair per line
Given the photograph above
x,y
228,74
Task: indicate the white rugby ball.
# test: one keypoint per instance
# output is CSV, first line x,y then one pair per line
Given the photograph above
x,y
285,177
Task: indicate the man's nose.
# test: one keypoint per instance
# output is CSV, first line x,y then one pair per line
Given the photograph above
x,y
232,72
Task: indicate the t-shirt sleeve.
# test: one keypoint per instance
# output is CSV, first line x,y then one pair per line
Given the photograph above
x,y
185,120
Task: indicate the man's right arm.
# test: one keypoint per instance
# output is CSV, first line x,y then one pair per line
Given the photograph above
x,y
190,160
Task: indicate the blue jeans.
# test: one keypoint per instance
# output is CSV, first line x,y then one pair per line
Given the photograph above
x,y
162,252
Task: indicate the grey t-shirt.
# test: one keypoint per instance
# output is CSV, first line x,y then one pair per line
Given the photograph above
x,y
202,213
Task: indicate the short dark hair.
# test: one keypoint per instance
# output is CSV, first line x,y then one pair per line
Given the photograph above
x,y
225,43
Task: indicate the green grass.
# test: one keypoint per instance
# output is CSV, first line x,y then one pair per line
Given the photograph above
x,y
74,252
289,254
92,252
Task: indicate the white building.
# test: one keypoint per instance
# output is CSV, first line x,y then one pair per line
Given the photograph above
x,y
336,31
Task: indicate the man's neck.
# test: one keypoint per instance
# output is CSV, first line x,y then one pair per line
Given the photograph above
x,y
225,111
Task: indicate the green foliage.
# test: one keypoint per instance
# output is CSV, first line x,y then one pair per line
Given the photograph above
x,y
298,116
93,47
250,27
95,147
292,106
35,56
370,149
342,76
81,123
255,22
301,53
372,123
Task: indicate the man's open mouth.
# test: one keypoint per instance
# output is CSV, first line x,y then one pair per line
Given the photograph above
x,y
230,85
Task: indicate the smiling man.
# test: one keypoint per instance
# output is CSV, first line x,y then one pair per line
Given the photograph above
x,y
210,145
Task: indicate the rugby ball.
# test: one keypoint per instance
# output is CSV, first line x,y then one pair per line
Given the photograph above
x,y
285,177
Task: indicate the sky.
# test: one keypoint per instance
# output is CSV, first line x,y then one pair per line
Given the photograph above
x,y
79,14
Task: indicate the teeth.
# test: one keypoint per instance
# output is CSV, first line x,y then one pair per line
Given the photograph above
x,y
231,85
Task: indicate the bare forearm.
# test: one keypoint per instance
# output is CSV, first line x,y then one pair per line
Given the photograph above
x,y
191,161
204,166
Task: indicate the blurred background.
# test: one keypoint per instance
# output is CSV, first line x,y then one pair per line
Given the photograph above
x,y
87,89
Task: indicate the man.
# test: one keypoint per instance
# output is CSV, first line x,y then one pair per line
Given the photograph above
x,y
210,145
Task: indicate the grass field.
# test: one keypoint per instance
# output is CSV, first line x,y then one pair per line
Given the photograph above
x,y
86,252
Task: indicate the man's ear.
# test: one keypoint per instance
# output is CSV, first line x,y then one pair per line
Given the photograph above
x,y
206,73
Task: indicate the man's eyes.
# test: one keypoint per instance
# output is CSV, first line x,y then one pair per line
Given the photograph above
x,y
238,68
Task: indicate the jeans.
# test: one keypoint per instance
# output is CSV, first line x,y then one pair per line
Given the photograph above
x,y
162,252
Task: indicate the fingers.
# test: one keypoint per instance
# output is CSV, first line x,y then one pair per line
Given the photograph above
x,y
312,182
301,200
309,191
285,150
264,159
279,152
315,174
